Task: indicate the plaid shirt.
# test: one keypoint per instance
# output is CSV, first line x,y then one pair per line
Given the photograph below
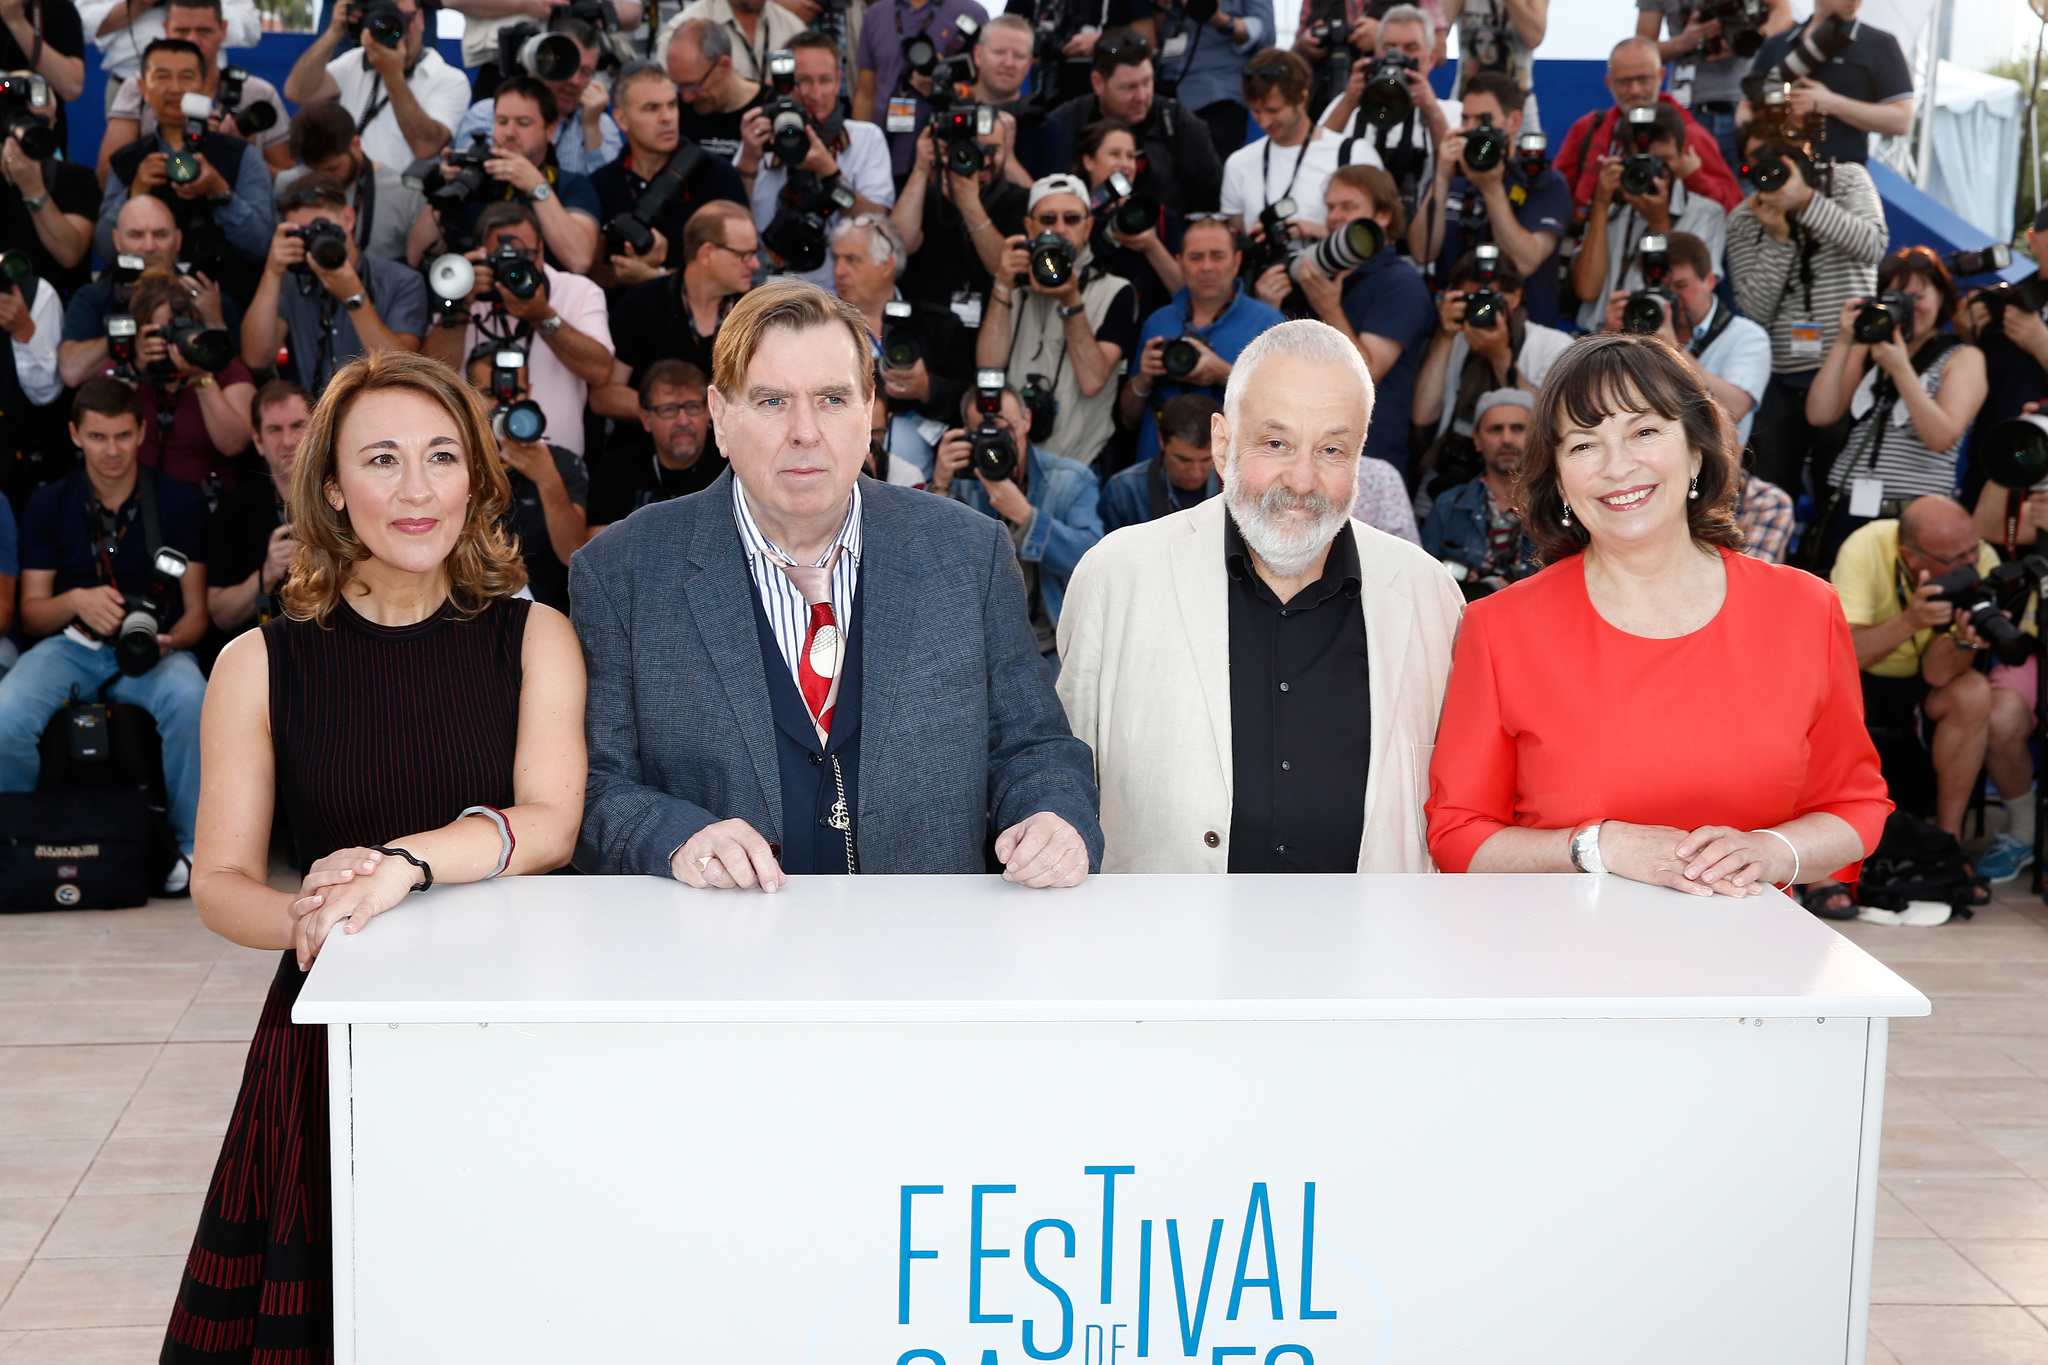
x,y
1765,518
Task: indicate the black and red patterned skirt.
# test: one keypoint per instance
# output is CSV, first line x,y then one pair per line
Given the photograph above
x,y
258,1286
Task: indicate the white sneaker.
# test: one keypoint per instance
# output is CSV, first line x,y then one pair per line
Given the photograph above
x,y
179,879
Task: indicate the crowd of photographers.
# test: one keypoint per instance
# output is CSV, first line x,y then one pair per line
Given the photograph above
x,y
1063,223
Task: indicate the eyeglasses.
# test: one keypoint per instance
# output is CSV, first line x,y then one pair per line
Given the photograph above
x,y
750,254
667,411
1053,220
1268,71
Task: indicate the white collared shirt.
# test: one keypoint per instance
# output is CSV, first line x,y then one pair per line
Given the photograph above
x,y
789,616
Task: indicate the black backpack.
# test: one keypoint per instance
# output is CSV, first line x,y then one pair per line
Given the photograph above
x,y
1915,862
95,834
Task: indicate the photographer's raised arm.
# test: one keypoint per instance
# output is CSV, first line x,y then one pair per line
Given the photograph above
x,y
309,81
1850,217
78,361
1428,408
572,236
225,408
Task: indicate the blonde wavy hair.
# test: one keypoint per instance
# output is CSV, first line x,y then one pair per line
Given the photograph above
x,y
485,562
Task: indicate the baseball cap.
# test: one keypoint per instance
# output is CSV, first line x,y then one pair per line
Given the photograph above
x,y
1056,184
1518,398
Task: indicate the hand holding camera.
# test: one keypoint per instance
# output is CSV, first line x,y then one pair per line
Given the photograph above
x,y
151,175
202,181
277,560
99,609
15,319
511,167
634,267
21,170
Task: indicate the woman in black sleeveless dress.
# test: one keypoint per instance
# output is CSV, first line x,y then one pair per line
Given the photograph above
x,y
415,722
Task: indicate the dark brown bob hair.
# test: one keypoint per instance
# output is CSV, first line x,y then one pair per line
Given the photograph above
x,y
485,562
1596,377
1921,261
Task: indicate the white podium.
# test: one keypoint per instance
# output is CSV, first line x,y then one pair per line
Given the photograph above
x,y
947,1121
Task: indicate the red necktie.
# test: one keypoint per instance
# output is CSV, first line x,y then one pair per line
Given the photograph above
x,y
824,650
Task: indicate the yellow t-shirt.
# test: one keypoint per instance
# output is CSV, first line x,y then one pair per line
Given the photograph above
x,y
1874,587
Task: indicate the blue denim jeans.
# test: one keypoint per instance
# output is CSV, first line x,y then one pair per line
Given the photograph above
x,y
172,692
1722,126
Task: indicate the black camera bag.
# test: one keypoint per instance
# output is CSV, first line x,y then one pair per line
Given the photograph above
x,y
1914,861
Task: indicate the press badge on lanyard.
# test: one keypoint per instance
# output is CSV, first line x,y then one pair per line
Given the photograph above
x,y
1176,46
1866,495
967,308
1806,341
902,114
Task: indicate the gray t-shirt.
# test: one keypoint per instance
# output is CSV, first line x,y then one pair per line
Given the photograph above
x,y
322,333
1713,80
393,208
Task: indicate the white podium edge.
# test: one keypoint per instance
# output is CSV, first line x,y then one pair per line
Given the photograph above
x,y
341,1185
1865,1245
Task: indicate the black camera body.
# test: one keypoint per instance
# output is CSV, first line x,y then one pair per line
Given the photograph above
x,y
1386,101
18,273
227,98
1276,245
1641,171
634,228
796,235
990,451
788,121
2029,295
181,167
1124,210
150,614
1333,34
959,130
1978,597
1052,260
326,246
1484,145
1983,261
1179,357
1485,306
380,21
204,348
24,103
1742,23
901,347
123,332
1643,312
449,193
514,270
1042,402
1880,317
515,418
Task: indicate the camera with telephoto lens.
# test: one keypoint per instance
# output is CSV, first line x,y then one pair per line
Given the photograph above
x,y
204,348
1386,101
449,192
381,21
1641,171
635,227
901,348
1878,318
122,332
528,49
990,451
1331,34
257,118
1125,211
181,167
1484,145
795,237
1766,167
1819,43
516,419
1485,306
1983,261
2029,295
1042,403
25,109
326,246
1347,248
789,134
1052,260
1978,598
150,614
960,130
1532,154
1742,22
1275,244
922,57
514,270
1643,313
449,279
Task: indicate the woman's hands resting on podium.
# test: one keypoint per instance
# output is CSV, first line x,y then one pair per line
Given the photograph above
x,y
352,884
1039,851
1713,860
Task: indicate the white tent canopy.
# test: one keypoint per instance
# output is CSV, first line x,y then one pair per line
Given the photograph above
x,y
1974,163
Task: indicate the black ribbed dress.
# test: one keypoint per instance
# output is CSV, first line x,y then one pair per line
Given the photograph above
x,y
379,732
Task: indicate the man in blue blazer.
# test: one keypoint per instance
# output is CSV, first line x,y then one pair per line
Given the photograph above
x,y
802,670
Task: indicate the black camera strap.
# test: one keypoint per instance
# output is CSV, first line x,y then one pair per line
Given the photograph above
x,y
366,205
1266,167
152,523
1723,316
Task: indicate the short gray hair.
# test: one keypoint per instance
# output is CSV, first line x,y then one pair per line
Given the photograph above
x,y
1305,339
885,244
708,38
1409,14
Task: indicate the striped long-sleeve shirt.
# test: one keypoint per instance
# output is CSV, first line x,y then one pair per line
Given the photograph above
x,y
1847,233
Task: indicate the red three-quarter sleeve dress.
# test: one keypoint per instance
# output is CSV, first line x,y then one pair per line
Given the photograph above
x,y
1554,717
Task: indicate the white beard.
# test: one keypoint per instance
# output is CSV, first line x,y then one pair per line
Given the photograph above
x,y
1286,547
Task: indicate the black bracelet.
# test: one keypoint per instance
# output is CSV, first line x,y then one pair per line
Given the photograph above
x,y
426,885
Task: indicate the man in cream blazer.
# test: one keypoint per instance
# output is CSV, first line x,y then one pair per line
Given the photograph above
x,y
1177,663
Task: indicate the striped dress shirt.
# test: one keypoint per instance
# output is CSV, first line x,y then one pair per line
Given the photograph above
x,y
1845,239
789,616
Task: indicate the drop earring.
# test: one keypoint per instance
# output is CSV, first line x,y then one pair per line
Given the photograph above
x,y
1695,490
1567,514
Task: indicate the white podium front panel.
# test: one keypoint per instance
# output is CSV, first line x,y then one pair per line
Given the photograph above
x,y
1283,1120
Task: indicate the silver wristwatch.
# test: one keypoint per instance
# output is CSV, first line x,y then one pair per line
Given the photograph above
x,y
1586,848
35,205
549,325
542,193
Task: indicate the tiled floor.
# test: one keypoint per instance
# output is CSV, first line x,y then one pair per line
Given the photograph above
x,y
122,1037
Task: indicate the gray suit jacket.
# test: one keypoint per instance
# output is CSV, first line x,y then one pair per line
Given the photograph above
x,y
959,723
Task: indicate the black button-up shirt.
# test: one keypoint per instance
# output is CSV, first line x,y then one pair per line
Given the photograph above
x,y
1300,716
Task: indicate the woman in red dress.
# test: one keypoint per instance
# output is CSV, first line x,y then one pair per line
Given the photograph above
x,y
1653,703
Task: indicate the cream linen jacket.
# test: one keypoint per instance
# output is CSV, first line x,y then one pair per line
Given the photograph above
x,y
1145,676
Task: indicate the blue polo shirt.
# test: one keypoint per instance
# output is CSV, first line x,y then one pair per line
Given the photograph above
x,y
1386,297
1542,205
1227,336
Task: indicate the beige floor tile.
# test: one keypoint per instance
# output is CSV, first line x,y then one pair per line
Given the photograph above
x,y
155,981
74,1067
1905,1270
224,1021
1947,1149
1906,1102
61,1113
186,1110
1954,1335
152,1165
1877,1353
43,1168
2005,1100
1896,1220
201,1063
1976,978
2026,1148
110,1021
86,1346
1975,1208
23,1225
2020,1268
147,948
1950,1055
18,1020
62,951
21,984
124,1225
2030,1050
102,1291
10,1271
1995,1013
